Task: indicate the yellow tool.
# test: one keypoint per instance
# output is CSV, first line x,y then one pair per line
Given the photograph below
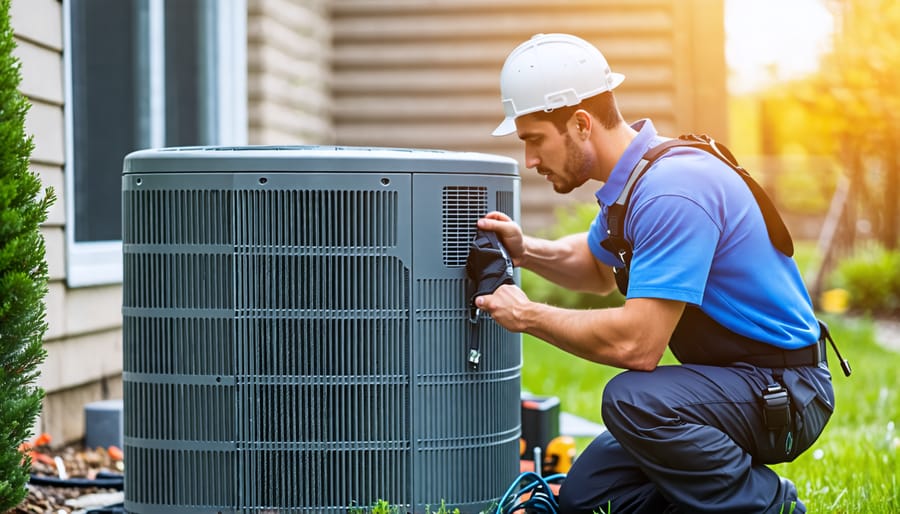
x,y
559,455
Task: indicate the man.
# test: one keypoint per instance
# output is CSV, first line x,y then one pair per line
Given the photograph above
x,y
704,279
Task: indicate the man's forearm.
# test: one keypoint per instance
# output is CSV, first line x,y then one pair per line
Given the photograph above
x,y
577,332
619,337
567,262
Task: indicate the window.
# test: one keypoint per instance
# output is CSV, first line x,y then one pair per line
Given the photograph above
x,y
141,74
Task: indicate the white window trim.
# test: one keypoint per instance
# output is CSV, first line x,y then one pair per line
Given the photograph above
x,y
100,262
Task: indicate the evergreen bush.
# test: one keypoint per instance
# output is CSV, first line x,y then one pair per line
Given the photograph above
x,y
23,275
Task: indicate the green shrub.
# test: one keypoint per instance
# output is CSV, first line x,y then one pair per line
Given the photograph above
x,y
23,276
570,220
872,278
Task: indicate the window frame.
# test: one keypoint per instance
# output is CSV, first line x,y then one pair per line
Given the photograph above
x,y
91,263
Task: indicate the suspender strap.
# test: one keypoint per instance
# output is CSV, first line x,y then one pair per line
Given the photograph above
x,y
778,232
615,217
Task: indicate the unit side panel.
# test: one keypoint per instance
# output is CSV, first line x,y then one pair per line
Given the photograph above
x,y
466,422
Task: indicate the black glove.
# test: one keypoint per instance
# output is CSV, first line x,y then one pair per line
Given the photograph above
x,y
487,268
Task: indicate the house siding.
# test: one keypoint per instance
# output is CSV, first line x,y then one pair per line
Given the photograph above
x,y
288,72
427,76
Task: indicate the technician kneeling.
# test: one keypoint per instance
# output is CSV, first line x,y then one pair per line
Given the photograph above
x,y
706,266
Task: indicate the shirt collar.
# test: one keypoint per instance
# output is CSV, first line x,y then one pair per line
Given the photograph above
x,y
645,137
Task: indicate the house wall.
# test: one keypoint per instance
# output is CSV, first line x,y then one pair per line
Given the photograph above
x,y
288,75
412,75
83,340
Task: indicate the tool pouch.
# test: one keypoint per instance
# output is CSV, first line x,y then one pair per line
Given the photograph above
x,y
776,404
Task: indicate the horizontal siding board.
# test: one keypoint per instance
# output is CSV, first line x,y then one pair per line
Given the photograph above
x,y
62,415
441,134
81,360
84,310
390,7
425,26
471,80
423,108
55,244
42,72
45,122
52,176
304,40
292,13
285,88
38,21
291,135
56,310
275,116
488,56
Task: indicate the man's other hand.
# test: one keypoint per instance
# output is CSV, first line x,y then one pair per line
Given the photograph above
x,y
508,231
506,306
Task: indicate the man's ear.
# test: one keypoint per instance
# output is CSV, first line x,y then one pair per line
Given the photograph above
x,y
581,123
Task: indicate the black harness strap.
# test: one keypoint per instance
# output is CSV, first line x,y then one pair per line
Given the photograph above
x,y
615,217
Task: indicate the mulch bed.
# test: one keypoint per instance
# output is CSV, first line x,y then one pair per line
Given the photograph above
x,y
79,463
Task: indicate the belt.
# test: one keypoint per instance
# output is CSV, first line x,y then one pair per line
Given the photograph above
x,y
699,339
811,355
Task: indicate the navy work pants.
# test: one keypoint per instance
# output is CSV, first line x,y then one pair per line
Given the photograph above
x,y
692,438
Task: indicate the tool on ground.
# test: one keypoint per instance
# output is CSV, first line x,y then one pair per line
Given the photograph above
x,y
540,421
560,454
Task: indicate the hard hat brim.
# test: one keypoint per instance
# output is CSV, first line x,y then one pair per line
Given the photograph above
x,y
506,127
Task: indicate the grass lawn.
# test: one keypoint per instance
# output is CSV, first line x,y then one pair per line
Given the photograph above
x,y
852,468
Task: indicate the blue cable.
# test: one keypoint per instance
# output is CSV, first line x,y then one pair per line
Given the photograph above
x,y
542,499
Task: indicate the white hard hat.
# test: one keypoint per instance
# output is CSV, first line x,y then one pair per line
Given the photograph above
x,y
550,71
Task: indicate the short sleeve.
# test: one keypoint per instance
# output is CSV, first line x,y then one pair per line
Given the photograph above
x,y
674,242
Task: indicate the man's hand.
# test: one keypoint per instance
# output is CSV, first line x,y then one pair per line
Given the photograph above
x,y
505,306
508,231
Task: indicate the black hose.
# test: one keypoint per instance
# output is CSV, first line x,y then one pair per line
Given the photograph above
x,y
118,508
103,481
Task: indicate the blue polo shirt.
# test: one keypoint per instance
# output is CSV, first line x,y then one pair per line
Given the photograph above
x,y
699,237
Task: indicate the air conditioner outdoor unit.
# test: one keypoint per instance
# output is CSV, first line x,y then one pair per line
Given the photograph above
x,y
295,331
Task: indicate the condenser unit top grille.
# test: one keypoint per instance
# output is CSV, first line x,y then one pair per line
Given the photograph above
x,y
315,159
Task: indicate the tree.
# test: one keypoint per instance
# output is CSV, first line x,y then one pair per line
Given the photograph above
x,y
23,275
856,96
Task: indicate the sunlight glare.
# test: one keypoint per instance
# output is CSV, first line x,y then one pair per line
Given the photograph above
x,y
774,40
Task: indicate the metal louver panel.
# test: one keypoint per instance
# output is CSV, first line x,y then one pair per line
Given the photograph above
x,y
506,203
462,206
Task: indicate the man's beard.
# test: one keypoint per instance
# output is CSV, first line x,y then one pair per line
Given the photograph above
x,y
575,170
